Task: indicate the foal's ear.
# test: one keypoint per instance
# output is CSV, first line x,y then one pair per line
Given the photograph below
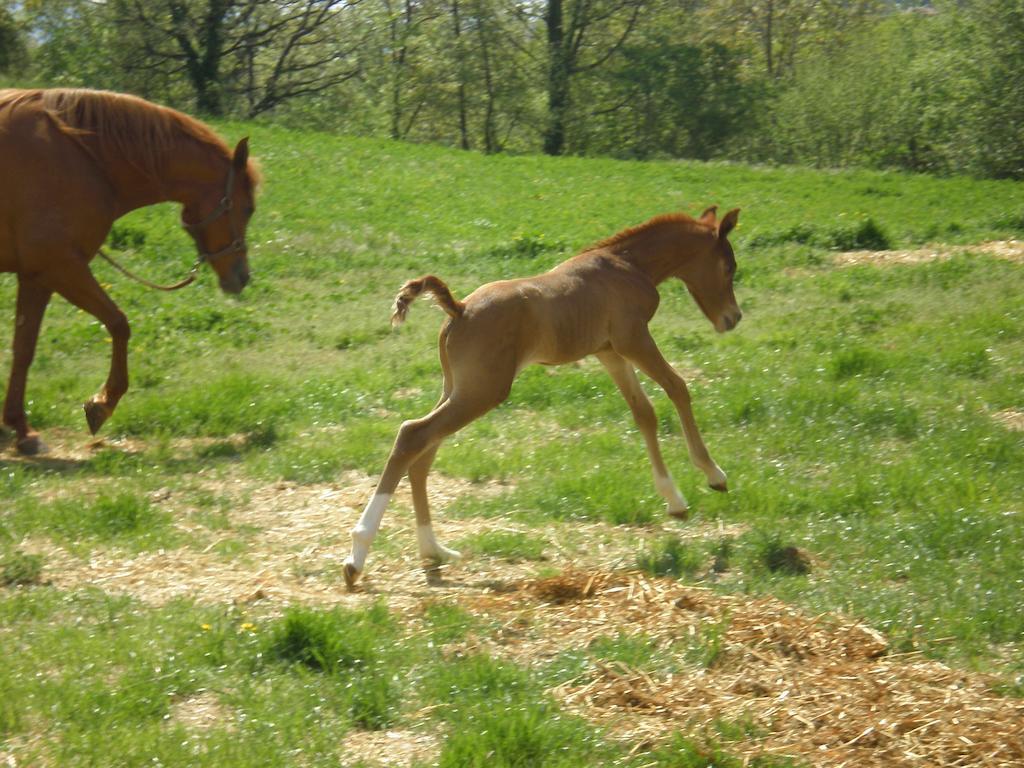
x,y
241,156
725,226
708,217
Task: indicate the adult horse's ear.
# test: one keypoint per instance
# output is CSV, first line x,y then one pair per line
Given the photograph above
x,y
725,226
241,154
708,217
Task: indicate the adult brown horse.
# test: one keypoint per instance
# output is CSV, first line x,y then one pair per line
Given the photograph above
x,y
597,303
76,160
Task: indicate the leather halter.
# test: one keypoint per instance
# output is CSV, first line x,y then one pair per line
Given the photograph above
x,y
237,243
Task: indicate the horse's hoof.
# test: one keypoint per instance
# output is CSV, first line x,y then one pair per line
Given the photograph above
x,y
722,487
441,556
351,576
95,414
679,514
30,445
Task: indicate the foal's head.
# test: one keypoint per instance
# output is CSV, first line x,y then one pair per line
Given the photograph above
x,y
709,276
218,220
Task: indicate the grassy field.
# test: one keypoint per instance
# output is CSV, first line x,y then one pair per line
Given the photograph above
x,y
867,414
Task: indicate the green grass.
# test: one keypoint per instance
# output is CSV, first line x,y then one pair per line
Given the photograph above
x,y
513,546
851,409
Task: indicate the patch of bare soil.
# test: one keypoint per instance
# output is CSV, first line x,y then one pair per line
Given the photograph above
x,y
391,748
1011,418
824,688
286,544
1010,250
200,712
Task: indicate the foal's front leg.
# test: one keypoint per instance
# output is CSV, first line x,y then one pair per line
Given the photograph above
x,y
642,350
624,376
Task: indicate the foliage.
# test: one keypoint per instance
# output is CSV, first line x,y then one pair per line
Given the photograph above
x,y
852,84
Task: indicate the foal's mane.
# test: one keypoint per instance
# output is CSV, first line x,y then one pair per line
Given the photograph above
x,y
687,223
128,127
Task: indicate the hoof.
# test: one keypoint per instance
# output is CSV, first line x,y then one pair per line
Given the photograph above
x,y
442,555
679,514
722,487
351,576
30,445
95,414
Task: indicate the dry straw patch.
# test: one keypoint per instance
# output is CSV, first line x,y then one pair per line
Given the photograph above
x,y
298,539
824,688
1010,250
1011,418
200,712
392,748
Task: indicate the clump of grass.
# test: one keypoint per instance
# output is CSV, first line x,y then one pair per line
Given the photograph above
x,y
773,553
513,546
19,569
125,518
707,647
330,641
448,622
683,752
353,643
865,235
856,361
722,552
499,716
670,556
636,651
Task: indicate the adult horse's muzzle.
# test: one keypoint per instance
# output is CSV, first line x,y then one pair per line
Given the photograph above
x,y
729,320
235,279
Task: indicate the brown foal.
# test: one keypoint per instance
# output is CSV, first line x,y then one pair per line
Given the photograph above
x,y
596,303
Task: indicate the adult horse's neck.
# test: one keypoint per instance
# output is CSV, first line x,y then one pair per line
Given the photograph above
x,y
661,248
189,171
147,153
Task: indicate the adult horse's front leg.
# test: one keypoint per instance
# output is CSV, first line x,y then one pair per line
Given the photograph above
x,y
75,282
28,317
642,350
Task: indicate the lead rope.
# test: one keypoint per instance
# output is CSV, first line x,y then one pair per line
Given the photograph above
x,y
189,279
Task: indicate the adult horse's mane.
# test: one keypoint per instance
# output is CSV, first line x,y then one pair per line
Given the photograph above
x,y
688,222
125,126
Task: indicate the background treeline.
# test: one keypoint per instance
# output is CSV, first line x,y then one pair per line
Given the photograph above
x,y
821,82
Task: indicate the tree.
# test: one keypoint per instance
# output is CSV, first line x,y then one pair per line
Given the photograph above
x,y
13,53
582,35
263,52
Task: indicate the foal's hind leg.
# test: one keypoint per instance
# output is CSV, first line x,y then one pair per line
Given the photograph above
x,y
415,439
430,548
28,317
624,376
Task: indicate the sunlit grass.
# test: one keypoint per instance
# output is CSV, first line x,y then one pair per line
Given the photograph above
x,y
852,410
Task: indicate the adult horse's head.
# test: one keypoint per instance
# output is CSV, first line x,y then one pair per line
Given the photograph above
x,y
218,217
709,278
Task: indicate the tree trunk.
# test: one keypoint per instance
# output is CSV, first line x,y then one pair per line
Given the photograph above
x,y
461,71
558,79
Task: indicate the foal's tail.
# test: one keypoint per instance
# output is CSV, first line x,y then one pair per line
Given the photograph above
x,y
431,284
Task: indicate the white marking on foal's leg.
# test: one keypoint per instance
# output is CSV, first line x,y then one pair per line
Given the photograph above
x,y
363,535
666,486
430,549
